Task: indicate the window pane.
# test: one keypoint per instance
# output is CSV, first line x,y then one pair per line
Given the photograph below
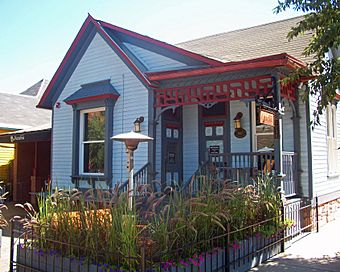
x,y
94,126
94,158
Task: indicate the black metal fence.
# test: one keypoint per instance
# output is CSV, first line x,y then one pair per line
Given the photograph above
x,y
233,250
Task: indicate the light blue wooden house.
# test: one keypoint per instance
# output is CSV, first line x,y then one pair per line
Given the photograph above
x,y
215,101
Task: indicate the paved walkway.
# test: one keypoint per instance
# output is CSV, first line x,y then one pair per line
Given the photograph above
x,y
315,252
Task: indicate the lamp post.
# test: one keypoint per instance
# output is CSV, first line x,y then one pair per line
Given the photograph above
x,y
131,141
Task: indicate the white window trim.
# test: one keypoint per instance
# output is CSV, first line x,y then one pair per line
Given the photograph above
x,y
255,134
331,136
82,142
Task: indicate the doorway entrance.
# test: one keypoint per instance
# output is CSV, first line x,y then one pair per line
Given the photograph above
x,y
214,131
172,147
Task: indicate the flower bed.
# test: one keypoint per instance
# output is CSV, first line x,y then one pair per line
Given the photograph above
x,y
177,230
243,255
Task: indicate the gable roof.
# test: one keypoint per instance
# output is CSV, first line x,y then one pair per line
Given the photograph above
x,y
253,42
114,36
37,89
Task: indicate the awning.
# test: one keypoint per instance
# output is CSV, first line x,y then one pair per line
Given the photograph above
x,y
33,134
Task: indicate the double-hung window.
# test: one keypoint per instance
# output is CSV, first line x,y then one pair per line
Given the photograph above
x,y
92,141
332,140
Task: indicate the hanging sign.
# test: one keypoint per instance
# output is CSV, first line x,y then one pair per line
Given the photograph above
x,y
267,118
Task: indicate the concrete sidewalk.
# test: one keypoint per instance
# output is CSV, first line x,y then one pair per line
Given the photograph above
x,y
315,252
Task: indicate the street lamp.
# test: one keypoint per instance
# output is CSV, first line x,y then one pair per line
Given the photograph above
x,y
131,140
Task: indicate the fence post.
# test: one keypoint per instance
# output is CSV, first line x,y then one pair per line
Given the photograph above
x,y
142,255
227,257
317,213
11,246
282,218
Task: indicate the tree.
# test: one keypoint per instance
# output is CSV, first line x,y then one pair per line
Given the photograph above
x,y
323,18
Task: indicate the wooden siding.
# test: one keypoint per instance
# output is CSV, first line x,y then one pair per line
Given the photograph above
x,y
190,141
154,61
322,183
287,128
6,155
98,63
240,144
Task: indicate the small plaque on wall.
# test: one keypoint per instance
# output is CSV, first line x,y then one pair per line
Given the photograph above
x,y
214,150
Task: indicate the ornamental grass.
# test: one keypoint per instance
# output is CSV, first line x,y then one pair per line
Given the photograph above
x,y
97,225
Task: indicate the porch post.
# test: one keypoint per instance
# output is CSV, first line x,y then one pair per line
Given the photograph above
x,y
297,143
278,131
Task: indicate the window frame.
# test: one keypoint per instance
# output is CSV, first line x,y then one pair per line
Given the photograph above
x,y
82,142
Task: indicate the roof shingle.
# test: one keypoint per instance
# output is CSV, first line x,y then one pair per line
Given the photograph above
x,y
253,42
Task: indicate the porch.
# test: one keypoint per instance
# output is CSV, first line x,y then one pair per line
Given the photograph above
x,y
230,130
240,168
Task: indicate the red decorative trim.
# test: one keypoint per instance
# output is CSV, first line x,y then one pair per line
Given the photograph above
x,y
162,44
220,92
214,92
263,62
337,96
213,124
288,91
64,61
172,126
91,98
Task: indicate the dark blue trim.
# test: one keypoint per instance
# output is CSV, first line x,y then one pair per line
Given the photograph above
x,y
108,104
93,89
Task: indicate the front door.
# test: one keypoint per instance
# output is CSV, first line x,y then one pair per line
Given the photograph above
x,y
214,132
172,147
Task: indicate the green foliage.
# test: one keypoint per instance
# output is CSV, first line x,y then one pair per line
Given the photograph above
x,y
323,19
99,225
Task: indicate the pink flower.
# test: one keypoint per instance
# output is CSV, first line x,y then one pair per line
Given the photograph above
x,y
183,263
236,245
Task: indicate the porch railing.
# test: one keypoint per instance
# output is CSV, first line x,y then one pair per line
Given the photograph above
x,y
242,167
289,165
141,177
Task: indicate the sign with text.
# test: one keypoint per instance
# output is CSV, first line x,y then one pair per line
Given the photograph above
x,y
267,118
214,150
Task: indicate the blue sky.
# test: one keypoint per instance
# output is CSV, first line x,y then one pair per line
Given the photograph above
x,y
35,35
